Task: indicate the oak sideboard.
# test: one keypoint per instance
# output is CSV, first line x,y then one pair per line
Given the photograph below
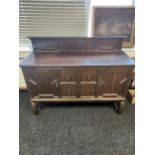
x,y
77,70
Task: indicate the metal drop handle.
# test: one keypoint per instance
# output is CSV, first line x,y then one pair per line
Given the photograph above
x,y
56,84
68,92
88,77
67,76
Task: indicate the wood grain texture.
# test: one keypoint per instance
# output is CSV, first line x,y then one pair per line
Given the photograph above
x,y
77,59
77,76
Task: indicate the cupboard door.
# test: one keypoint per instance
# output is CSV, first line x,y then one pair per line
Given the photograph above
x,y
112,82
41,81
87,90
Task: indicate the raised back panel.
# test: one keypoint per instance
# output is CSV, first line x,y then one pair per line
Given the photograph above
x,y
102,44
47,44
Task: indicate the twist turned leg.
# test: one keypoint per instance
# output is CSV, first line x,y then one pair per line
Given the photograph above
x,y
35,108
116,106
121,107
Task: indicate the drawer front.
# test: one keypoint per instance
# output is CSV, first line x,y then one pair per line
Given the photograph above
x,y
68,75
68,90
88,75
87,90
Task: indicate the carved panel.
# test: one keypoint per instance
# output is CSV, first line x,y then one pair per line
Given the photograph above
x,y
41,80
87,90
68,90
112,81
88,75
104,82
68,75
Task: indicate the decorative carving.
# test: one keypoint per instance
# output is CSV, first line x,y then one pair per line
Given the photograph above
x,y
72,83
86,82
67,77
68,92
33,82
54,82
101,82
122,81
88,77
110,95
45,95
114,81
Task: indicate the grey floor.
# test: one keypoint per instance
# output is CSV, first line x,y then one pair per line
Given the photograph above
x,y
81,129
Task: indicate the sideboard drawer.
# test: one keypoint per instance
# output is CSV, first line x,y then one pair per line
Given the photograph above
x,y
88,75
88,90
68,75
68,90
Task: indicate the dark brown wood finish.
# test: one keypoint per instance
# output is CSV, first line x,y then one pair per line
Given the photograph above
x,y
77,44
72,59
80,71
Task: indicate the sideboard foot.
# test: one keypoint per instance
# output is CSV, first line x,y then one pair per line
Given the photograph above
x,y
35,109
119,106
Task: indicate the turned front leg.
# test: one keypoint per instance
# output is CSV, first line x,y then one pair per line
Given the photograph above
x,y
35,108
121,107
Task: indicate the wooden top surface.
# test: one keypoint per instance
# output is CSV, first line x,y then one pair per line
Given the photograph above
x,y
77,59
